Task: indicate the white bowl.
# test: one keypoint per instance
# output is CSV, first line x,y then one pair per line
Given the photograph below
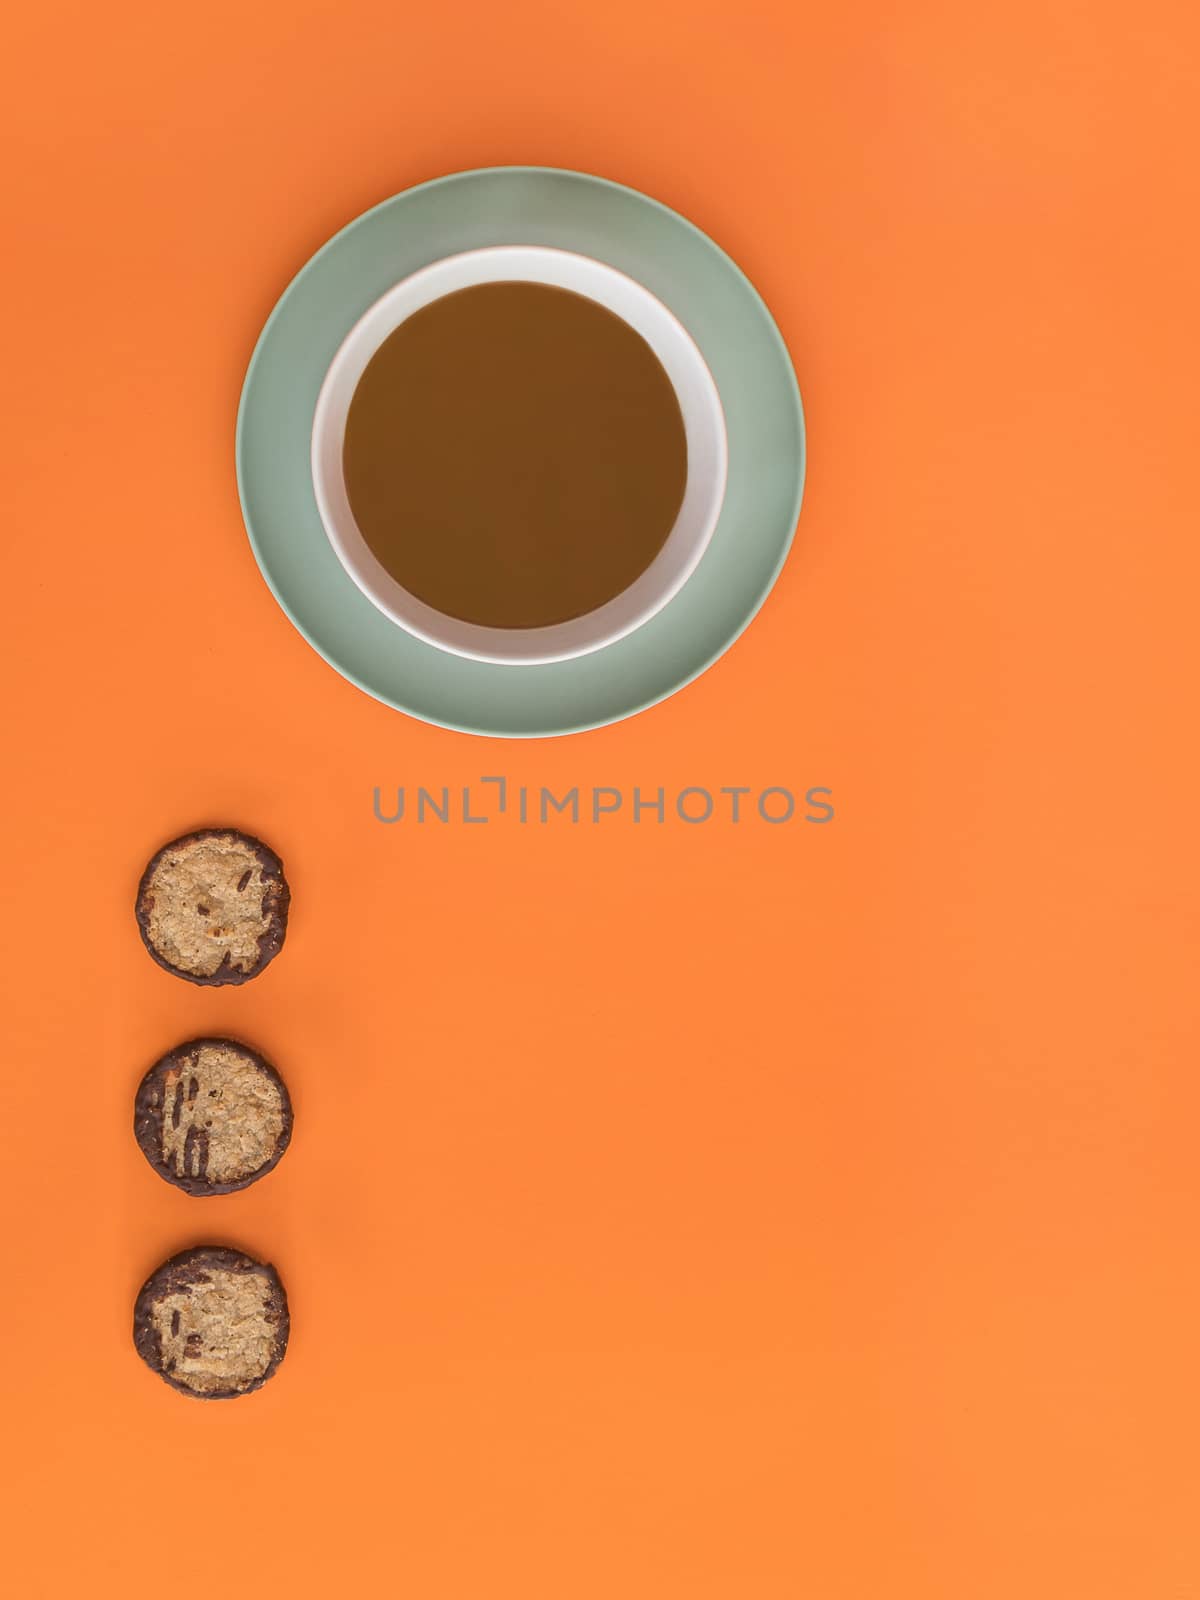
x,y
704,428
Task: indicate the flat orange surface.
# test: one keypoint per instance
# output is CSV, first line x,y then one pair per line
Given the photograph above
x,y
760,1212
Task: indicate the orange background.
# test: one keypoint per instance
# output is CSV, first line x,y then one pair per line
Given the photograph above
x,y
673,1211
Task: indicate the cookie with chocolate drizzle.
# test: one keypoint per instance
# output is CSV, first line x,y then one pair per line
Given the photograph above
x,y
212,1116
212,1322
212,906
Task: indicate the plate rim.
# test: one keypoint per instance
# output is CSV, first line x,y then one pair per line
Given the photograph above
x,y
677,218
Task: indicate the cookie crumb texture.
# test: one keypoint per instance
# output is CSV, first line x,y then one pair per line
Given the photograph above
x,y
212,1116
213,1323
212,906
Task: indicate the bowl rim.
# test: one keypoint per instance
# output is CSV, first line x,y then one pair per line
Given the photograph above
x,y
519,646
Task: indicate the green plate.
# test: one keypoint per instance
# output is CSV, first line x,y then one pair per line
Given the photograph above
x,y
710,296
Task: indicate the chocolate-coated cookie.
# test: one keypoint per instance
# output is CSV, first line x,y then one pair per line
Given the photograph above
x,y
212,906
212,1322
212,1115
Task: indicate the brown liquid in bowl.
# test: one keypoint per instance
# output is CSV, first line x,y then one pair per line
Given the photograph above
x,y
515,455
